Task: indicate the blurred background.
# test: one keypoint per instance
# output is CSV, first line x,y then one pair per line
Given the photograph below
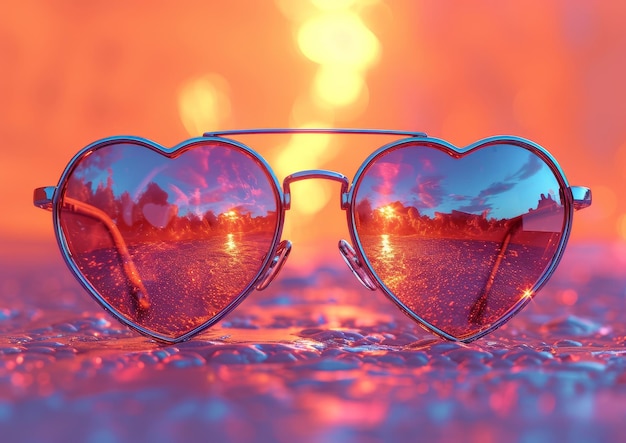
x,y
72,72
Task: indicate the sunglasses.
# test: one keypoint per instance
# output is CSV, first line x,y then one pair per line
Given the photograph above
x,y
169,240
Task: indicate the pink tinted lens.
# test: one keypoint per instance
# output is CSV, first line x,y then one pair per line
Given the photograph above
x,y
459,239
169,242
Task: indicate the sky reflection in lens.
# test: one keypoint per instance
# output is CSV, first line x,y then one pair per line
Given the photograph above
x,y
169,242
460,240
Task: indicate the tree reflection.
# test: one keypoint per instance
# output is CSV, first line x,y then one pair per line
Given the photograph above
x,y
397,219
152,218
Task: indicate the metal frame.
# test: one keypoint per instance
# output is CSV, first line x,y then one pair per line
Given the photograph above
x,y
42,200
574,198
570,203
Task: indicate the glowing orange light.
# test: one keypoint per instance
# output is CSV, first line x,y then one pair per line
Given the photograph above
x,y
338,37
315,194
204,104
230,242
304,151
528,293
604,201
621,226
344,47
569,297
387,250
388,212
328,5
338,86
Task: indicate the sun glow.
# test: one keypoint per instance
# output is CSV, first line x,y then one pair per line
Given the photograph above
x,y
388,212
230,242
386,248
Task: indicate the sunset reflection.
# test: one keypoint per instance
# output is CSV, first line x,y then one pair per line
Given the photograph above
x,y
230,242
387,212
463,239
132,218
386,249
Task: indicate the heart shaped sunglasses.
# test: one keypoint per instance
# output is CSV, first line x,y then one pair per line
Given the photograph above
x,y
169,240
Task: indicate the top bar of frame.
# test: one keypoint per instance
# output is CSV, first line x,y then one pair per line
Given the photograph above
x,y
314,131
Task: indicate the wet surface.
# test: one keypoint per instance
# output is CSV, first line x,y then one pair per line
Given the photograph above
x,y
315,358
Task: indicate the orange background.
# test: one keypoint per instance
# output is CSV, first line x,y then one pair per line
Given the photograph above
x,y
72,72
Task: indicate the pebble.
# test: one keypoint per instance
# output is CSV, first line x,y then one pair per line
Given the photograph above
x,y
238,355
184,360
332,364
526,357
572,326
10,350
568,344
461,355
8,314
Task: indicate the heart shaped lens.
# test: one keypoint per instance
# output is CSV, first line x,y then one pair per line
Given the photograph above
x,y
168,241
460,239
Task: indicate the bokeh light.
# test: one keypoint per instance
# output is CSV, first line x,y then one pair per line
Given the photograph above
x,y
343,47
338,38
204,103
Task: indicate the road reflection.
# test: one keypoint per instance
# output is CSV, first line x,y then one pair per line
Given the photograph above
x,y
188,281
442,280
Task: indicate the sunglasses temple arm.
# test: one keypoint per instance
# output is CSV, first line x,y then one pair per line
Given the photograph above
x,y
139,291
477,311
581,198
43,199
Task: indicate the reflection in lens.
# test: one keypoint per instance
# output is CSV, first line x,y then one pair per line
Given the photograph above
x,y
169,243
459,240
387,250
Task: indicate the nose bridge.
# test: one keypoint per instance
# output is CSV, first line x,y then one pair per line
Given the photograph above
x,y
313,174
